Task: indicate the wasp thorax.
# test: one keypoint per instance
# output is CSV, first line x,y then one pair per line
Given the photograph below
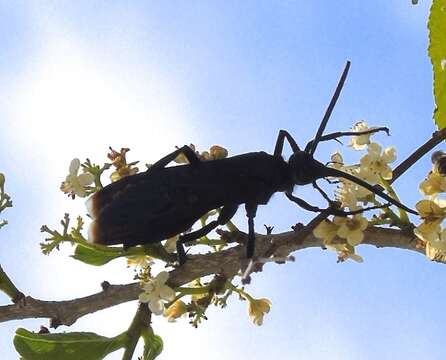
x,y
305,169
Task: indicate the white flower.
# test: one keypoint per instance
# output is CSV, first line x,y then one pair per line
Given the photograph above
x,y
434,184
351,229
361,141
75,184
349,193
155,291
428,231
337,162
345,252
141,261
375,165
326,231
439,243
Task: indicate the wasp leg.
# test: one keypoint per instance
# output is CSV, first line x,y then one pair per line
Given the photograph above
x,y
280,140
323,193
191,156
338,134
251,210
226,214
330,210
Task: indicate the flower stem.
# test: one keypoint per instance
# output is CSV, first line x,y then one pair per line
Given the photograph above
x,y
8,287
140,322
403,214
193,291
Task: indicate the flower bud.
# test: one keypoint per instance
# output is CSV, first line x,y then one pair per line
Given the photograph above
x,y
218,152
257,308
176,310
205,156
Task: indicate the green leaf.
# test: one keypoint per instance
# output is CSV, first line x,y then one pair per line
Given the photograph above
x,y
96,257
153,345
437,53
66,346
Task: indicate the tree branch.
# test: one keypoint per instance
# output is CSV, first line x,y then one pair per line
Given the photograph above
x,y
227,262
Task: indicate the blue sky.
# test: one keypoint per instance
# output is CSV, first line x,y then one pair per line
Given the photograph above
x,y
79,76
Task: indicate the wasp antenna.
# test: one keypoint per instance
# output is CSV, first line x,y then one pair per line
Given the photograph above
x,y
330,108
338,173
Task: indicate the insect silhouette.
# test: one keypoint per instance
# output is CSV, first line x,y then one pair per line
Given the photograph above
x,y
165,201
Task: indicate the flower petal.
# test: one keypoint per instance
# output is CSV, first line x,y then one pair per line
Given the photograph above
x,y
156,307
389,154
85,179
144,297
167,293
355,237
162,277
74,166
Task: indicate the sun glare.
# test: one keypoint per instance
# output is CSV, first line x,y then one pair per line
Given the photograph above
x,y
69,103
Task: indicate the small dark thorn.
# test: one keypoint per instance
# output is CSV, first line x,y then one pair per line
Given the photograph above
x,y
55,323
43,330
19,299
298,227
105,285
269,229
246,280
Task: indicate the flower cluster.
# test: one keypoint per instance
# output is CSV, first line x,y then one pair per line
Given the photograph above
x,y
348,228
119,161
432,211
374,168
216,152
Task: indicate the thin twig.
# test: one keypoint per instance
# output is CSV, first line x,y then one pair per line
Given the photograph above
x,y
437,138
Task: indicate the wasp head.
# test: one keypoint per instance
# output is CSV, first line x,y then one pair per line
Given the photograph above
x,y
304,168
